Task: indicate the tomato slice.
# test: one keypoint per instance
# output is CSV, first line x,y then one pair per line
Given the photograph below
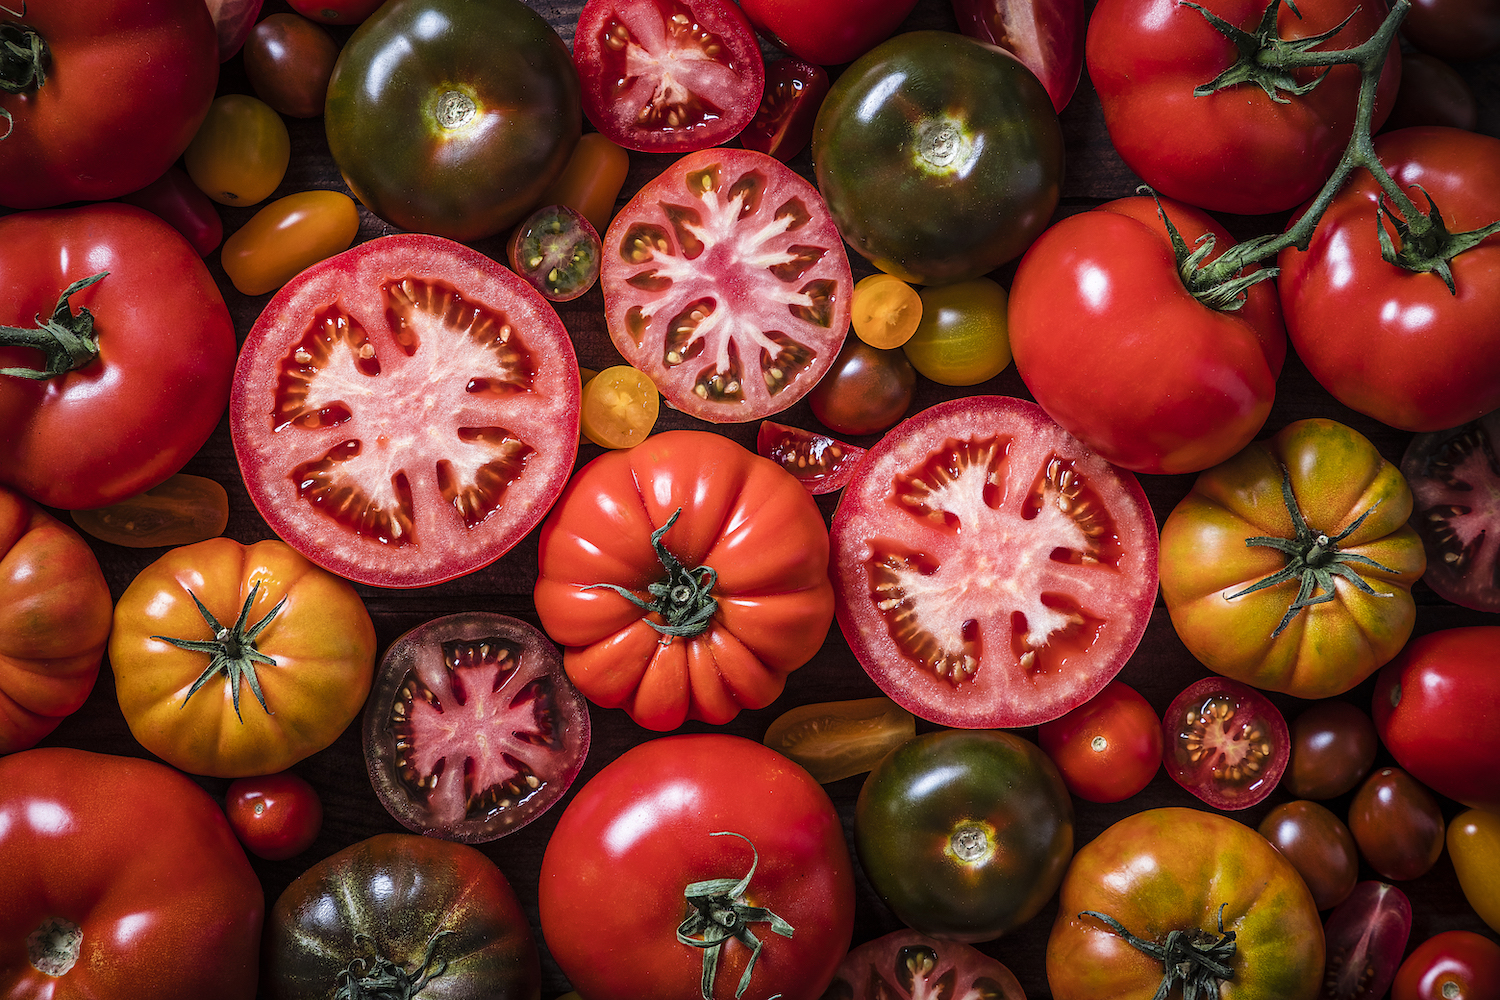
x,y
1455,484
668,76
820,463
839,739
405,412
991,570
1225,742
906,965
783,125
556,249
726,282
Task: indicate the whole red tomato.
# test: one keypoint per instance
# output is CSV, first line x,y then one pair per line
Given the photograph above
x,y
1236,149
126,407
1427,358
1109,748
1114,346
683,853
276,816
1451,964
121,878
827,33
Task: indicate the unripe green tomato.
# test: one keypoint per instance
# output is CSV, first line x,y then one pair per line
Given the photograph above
x,y
963,338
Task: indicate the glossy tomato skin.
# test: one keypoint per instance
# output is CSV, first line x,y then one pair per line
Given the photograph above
x,y
940,156
136,413
289,60
865,391
288,236
1457,31
965,834
828,34
1473,842
1397,824
1401,371
1109,748
1334,744
127,85
1435,706
742,516
1113,346
175,198
276,816
175,915
451,117
1453,960
1318,845
615,873
1235,150
1182,869
1047,36
55,609
417,902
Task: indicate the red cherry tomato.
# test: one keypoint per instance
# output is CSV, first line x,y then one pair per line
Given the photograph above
x,y
1108,748
1453,965
821,463
276,816
1225,742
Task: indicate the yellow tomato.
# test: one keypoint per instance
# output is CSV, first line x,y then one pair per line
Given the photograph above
x,y
885,310
620,406
1474,847
241,151
288,236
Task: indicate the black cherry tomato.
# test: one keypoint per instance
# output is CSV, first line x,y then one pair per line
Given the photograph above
x,y
1225,742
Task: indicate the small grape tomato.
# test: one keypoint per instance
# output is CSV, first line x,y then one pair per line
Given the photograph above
x,y
839,739
288,236
556,249
866,390
885,310
240,152
620,407
1225,742
336,11
1474,848
1333,747
176,199
964,336
276,816
789,106
1318,845
820,463
1108,748
590,184
289,61
1397,824
181,510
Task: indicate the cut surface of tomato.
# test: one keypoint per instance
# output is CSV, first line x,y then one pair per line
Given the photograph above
x,y
820,463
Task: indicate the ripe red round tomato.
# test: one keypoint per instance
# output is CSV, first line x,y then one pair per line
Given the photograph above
x,y
715,827
828,34
359,351
726,282
1453,965
1109,748
991,571
1224,742
276,816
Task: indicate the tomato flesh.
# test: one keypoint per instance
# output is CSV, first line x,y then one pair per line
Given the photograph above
x,y
840,739
1365,936
906,965
1225,742
821,463
1455,484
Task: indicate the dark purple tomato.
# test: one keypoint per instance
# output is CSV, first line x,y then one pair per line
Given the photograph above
x,y
1365,937
289,60
867,390
1455,484
1333,747
1397,824
1225,742
1318,845
784,122
174,198
1460,30
1432,93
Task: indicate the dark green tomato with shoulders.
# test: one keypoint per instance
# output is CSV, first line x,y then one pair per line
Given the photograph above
x,y
940,156
452,117
965,833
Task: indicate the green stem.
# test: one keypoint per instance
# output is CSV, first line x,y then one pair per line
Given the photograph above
x,y
23,58
683,597
718,912
231,651
66,339
1192,959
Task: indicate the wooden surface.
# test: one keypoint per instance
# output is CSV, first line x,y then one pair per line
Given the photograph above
x,y
1159,670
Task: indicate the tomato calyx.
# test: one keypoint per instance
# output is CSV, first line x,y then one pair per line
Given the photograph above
x,y
382,979
23,58
1313,557
1192,958
720,913
1220,291
232,648
1426,244
67,339
684,597
1265,58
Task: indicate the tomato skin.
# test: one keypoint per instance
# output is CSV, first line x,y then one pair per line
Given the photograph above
x,y
175,915
336,11
1334,744
1114,348
1453,960
167,346
1172,869
611,889
963,338
1397,824
276,816
288,236
865,390
55,610
1109,748
1473,841
1047,36
1400,371
1456,31
129,85
904,964
1435,706
1318,845
828,34
1235,150
289,60
240,153
175,198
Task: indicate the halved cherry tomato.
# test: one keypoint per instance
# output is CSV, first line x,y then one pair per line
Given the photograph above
x,y
1225,742
1365,936
557,250
180,511
821,463
620,407
906,965
788,108
839,739
885,311
591,181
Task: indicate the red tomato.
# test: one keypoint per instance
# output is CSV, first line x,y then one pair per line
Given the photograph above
x,y
1435,707
1459,30
1397,824
726,282
905,965
276,816
820,463
698,825
400,332
1225,742
1426,359
120,90
687,577
179,201
1046,36
1108,748
668,76
1235,150
1453,965
1116,349
137,405
788,108
121,879
827,33
991,571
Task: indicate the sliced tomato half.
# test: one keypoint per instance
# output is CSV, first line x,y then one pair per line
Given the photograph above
x,y
725,280
820,463
405,412
991,571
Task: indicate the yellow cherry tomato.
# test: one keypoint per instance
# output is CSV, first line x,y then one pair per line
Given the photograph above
x,y
288,236
620,406
591,182
240,153
1474,847
839,739
180,511
964,337
885,310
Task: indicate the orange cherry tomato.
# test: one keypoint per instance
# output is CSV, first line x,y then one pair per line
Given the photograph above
x,y
885,310
620,407
590,183
179,511
288,236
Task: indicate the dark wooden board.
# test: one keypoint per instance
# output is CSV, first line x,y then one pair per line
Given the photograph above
x,y
1159,670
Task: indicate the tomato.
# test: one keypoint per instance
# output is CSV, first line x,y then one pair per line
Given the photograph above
x,y
1453,965
1200,873
404,909
686,576
620,407
990,570
1366,935
1115,347
276,816
1290,566
234,660
1473,841
240,153
865,391
668,76
1224,742
591,181
965,834
1401,370
335,11
940,157
820,463
120,89
1237,149
669,841
1432,93
473,729
1109,748
905,965
1397,824
176,199
726,282
1459,30
452,116
1318,845
288,236
1333,748
338,367
885,310
557,250
289,60
963,338
840,739
180,510
1435,706
135,405
828,34
1455,482
788,109
55,612
121,878
1047,36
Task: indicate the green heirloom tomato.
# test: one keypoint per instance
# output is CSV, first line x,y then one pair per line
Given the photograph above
x,y
451,117
940,156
